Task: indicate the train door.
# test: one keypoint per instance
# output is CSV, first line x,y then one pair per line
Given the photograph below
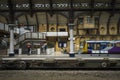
x,y
96,47
90,46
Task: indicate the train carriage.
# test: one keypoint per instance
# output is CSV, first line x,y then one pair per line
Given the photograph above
x,y
110,47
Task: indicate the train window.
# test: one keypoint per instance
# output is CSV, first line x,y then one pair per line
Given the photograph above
x,y
97,46
90,46
117,44
109,45
94,46
103,45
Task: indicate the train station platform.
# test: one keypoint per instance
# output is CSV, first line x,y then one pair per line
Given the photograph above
x,y
64,56
62,61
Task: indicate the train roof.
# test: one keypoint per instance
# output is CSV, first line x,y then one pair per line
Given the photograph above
x,y
103,41
118,41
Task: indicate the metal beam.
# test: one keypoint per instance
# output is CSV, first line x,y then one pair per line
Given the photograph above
x,y
92,7
47,22
71,17
71,4
57,24
112,5
25,25
92,4
37,22
57,20
77,27
71,12
108,23
51,7
98,25
118,26
18,23
26,17
31,8
59,10
11,11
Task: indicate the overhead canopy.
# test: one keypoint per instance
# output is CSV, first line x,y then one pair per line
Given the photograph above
x,y
58,5
33,12
12,9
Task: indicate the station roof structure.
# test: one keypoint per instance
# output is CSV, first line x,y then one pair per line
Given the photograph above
x,y
10,10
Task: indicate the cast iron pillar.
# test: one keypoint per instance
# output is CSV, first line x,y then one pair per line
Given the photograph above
x,y
11,51
71,53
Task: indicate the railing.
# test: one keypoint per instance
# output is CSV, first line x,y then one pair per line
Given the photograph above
x,y
56,33
4,27
31,35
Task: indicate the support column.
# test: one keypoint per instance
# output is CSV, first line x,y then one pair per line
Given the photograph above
x,y
11,51
71,53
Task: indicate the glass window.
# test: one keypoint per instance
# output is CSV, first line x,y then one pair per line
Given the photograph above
x,y
117,44
62,29
103,45
96,20
80,20
97,46
90,46
89,20
62,44
52,29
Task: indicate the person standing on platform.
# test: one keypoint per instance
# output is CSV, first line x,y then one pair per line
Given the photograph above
x,y
29,48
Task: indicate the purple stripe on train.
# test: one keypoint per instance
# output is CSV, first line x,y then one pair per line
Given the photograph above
x,y
114,50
